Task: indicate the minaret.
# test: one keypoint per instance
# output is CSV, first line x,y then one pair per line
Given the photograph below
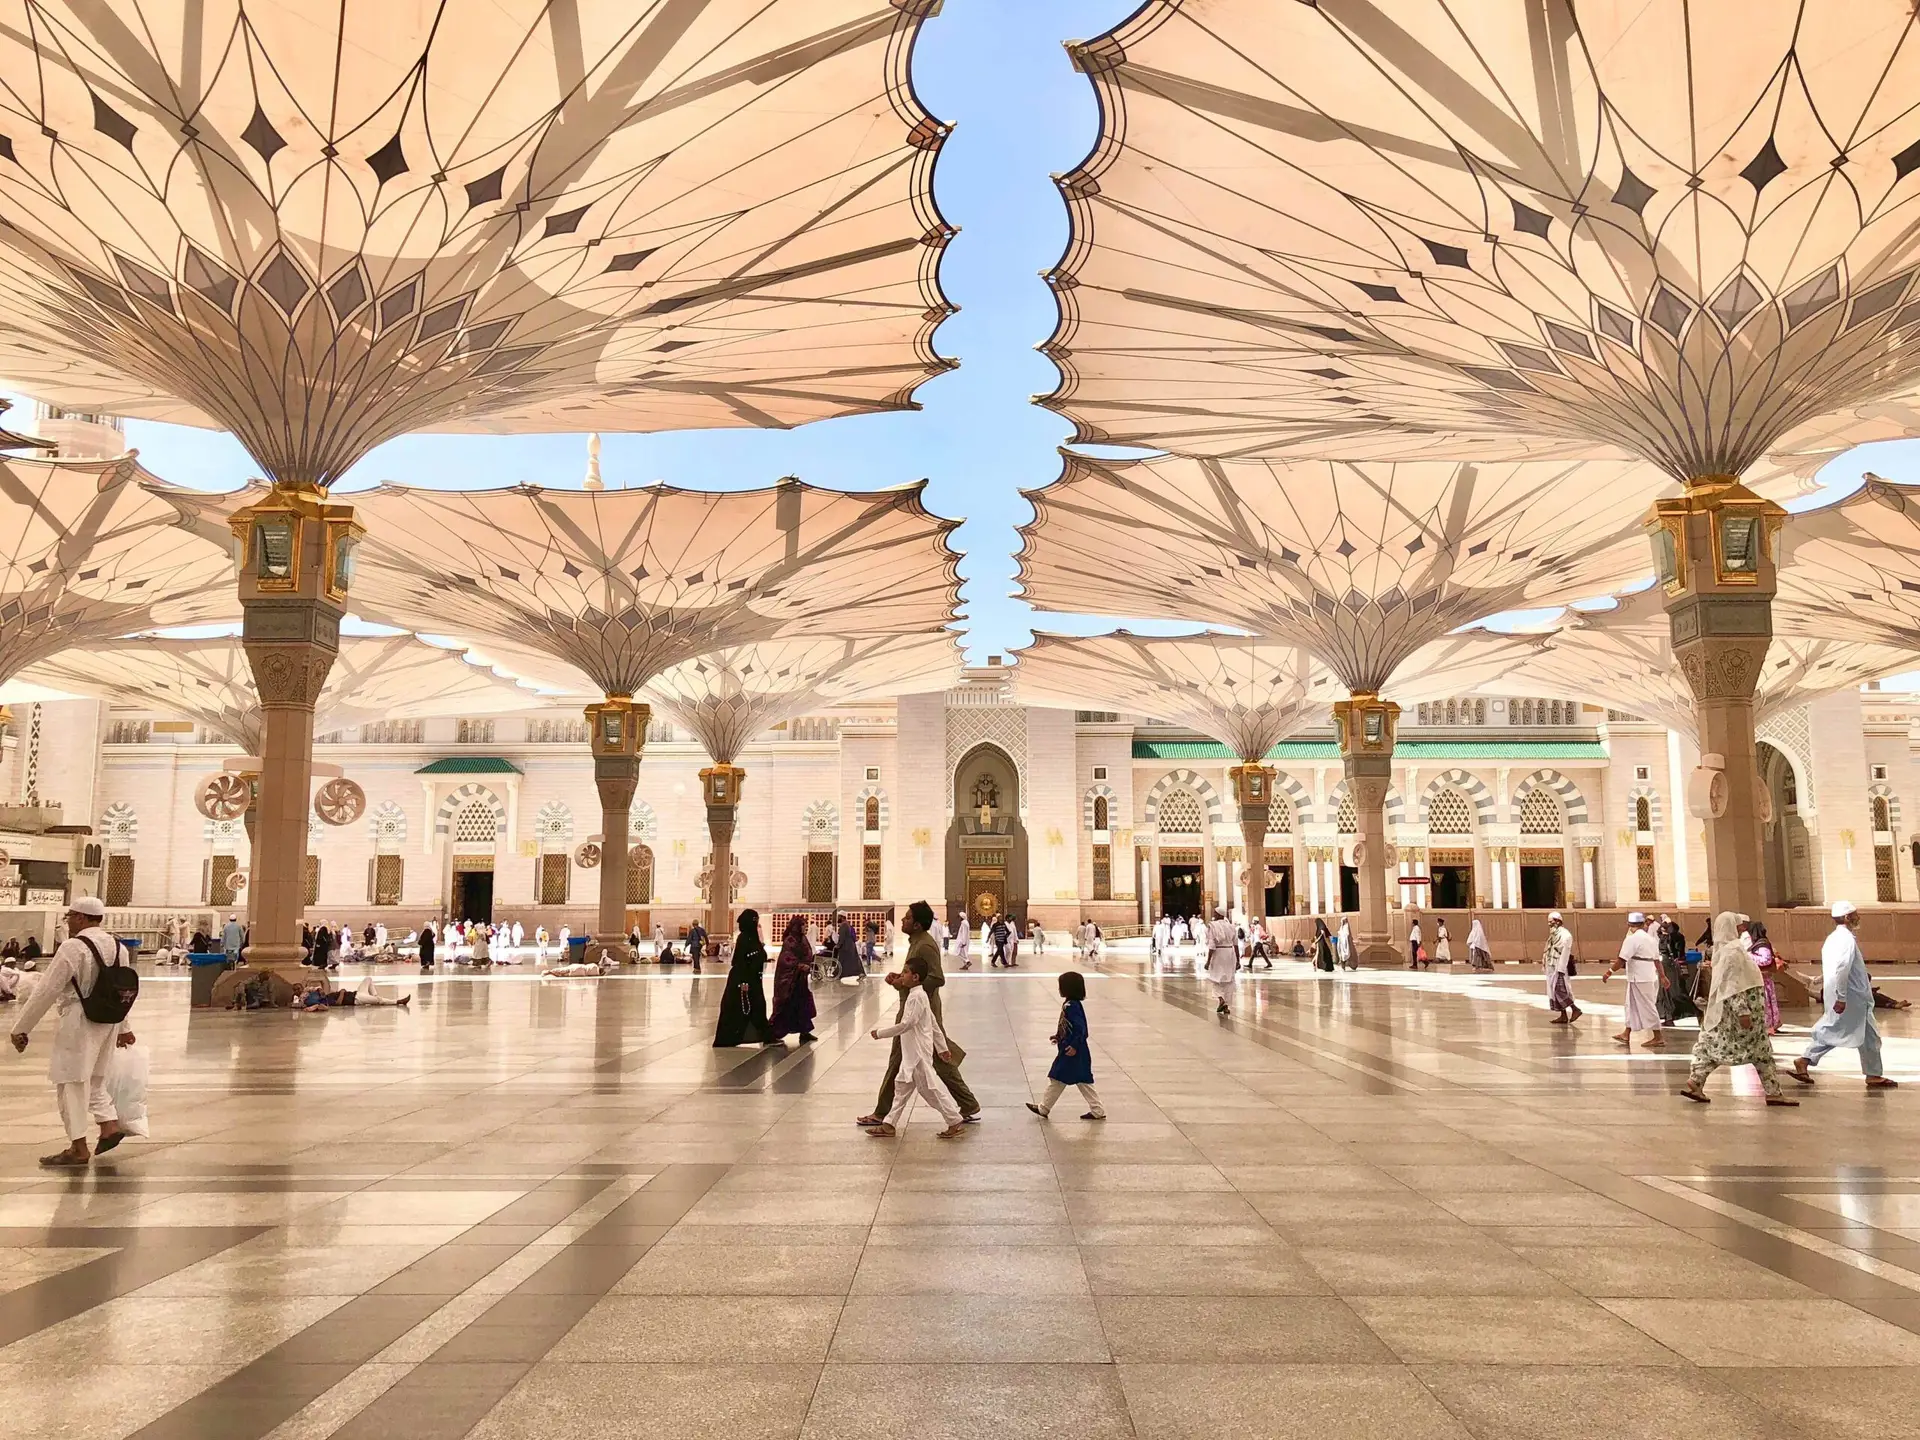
x,y
593,482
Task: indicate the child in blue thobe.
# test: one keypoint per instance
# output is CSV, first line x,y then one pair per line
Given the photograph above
x,y
1073,1062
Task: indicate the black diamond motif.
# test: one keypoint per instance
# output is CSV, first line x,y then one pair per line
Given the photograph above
x,y
1812,296
1416,545
189,132
486,188
1613,324
388,161
1669,312
347,294
6,148
1569,341
399,304
1378,292
1530,220
564,224
628,260
332,152
144,282
283,283
1329,374
1446,254
1907,161
1694,182
1344,549
49,132
1764,167
261,135
1521,554
111,123
570,570
1632,192
438,322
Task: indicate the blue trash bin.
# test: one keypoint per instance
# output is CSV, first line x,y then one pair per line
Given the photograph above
x,y
576,949
204,971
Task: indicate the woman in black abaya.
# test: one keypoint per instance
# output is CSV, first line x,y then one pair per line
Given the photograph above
x,y
743,1005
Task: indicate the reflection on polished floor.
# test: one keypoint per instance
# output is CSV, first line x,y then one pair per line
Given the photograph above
x,y
1379,1206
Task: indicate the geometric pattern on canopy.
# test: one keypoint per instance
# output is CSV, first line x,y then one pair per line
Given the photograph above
x,y
601,591
386,677
729,696
1361,564
1676,229
323,226
89,554
1852,569
1247,694
1623,659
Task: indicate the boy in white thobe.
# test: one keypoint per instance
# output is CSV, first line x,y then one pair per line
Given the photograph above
x,y
81,1049
921,1039
1847,991
1223,959
1640,956
1557,961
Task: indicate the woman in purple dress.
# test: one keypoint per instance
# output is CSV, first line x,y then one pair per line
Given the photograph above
x,y
1769,965
793,1009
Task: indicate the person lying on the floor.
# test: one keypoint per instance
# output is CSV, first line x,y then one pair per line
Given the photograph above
x,y
584,970
318,997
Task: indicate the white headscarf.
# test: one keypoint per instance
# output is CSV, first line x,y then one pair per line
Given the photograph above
x,y
1476,935
1733,969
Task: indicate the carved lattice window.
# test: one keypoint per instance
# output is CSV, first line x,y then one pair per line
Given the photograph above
x,y
1449,813
1540,814
1182,813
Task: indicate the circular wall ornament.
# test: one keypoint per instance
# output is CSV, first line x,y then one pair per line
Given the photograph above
x,y
340,802
224,796
237,882
587,855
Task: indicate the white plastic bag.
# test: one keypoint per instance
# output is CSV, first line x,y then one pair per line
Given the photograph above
x,y
127,1084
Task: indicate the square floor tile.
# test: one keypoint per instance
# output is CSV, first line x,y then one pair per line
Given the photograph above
x,y
1433,1268
1596,1402
1283,1402
1794,1333
970,1270
968,1402
636,1329
742,1270
1506,1330
1225,1330
971,1328
557,1401
1191,1270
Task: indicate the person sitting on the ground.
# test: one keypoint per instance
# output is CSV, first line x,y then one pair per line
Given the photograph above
x,y
316,996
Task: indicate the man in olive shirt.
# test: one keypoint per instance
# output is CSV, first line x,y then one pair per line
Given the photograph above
x,y
919,928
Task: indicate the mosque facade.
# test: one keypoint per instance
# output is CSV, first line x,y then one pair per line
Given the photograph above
x,y
966,797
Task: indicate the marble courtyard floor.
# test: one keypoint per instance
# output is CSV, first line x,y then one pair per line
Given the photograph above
x,y
1384,1206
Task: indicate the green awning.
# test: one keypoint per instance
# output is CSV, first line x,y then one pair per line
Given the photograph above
x,y
470,765
1483,751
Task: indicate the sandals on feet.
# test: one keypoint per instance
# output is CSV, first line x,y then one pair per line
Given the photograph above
x,y
1687,1092
1036,1110
1881,1082
1798,1071
1781,1100
107,1142
65,1160
882,1131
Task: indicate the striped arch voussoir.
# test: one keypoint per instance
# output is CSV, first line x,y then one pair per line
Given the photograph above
x,y
1472,786
1187,779
1572,802
458,800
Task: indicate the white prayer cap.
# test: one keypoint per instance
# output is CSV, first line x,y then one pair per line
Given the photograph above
x,y
1843,908
1635,917
1553,915
89,905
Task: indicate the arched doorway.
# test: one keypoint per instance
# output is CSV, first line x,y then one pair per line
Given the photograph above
x,y
1786,841
986,843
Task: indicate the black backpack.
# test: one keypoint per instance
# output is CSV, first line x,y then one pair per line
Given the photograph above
x,y
115,988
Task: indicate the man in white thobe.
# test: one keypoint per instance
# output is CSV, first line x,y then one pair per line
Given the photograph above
x,y
1640,957
1847,991
233,939
1223,958
962,942
81,1049
1558,963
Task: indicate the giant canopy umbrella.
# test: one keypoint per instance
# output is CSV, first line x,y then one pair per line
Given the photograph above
x,y
1248,693
89,553
1361,564
1681,230
377,677
1623,658
322,225
604,591
727,697
1851,570
209,681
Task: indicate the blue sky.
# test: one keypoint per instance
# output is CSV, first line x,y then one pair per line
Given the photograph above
x,y
996,69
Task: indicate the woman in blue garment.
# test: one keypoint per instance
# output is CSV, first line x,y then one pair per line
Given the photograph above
x,y
1073,1060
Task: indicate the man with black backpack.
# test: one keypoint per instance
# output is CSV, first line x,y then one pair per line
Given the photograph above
x,y
92,987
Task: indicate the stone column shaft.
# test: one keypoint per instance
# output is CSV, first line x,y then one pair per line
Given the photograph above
x,y
1366,725
617,731
721,785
